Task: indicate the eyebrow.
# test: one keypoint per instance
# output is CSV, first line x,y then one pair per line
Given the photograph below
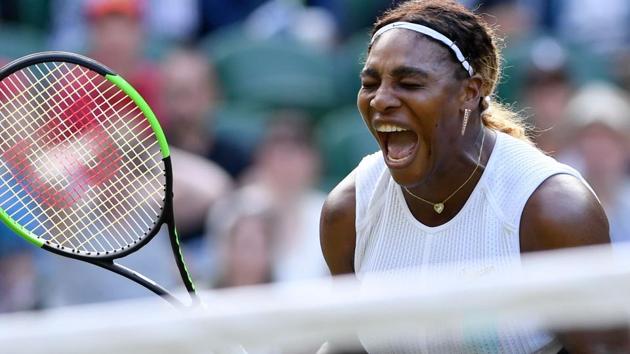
x,y
401,71
369,72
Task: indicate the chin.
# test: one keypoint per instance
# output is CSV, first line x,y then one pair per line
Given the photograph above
x,y
405,179
408,176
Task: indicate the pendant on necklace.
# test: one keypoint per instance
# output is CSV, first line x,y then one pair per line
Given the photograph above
x,y
438,207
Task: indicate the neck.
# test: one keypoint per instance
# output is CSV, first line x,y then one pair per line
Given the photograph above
x,y
454,165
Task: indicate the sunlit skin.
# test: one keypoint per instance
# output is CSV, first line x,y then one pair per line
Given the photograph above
x,y
410,81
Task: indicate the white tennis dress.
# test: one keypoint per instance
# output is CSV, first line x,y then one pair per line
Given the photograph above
x,y
484,235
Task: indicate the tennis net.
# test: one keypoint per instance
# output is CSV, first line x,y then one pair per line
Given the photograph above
x,y
558,290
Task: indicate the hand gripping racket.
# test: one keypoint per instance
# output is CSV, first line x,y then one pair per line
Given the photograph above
x,y
85,170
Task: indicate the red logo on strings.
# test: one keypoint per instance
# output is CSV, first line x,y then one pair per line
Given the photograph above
x,y
62,159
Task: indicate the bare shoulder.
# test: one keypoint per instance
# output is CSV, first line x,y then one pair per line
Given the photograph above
x,y
337,230
562,212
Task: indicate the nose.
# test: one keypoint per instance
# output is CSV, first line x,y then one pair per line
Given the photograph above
x,y
384,99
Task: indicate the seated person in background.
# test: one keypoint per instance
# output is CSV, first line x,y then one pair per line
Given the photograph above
x,y
597,143
116,37
244,231
287,168
197,183
189,100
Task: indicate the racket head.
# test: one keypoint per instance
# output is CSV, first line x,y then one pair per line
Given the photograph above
x,y
84,165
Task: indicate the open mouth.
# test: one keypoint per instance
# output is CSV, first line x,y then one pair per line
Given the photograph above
x,y
399,144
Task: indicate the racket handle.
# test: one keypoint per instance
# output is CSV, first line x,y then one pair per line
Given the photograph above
x,y
174,237
140,279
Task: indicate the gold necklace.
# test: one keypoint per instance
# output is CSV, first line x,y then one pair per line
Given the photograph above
x,y
439,207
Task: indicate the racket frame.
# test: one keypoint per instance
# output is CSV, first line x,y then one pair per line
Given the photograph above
x,y
106,259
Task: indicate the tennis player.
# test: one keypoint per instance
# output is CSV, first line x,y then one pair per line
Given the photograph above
x,y
456,178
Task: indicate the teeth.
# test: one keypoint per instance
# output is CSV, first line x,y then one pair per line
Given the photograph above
x,y
389,128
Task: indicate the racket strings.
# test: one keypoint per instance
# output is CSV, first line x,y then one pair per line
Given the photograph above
x,y
127,180
44,165
22,92
122,207
131,194
28,123
126,204
63,182
40,98
124,217
129,200
32,85
19,220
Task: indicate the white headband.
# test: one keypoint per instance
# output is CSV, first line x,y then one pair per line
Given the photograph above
x,y
431,33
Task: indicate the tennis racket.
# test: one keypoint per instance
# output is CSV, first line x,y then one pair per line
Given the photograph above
x,y
85,170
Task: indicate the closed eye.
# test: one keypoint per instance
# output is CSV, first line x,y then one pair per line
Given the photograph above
x,y
411,85
369,85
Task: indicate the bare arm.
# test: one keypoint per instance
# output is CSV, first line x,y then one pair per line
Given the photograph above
x,y
561,213
336,228
337,237
197,184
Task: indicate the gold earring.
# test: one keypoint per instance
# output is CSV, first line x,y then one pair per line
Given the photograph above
x,y
466,116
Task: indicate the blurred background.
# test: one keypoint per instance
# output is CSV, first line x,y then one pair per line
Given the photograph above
x,y
258,99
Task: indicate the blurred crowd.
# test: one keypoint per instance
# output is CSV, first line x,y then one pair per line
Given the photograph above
x,y
257,97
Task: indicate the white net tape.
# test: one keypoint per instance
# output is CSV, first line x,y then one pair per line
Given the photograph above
x,y
568,289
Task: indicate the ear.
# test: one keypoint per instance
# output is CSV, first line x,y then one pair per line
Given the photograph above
x,y
471,92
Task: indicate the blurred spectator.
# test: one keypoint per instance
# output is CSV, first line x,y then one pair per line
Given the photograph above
x,y
197,183
588,23
546,91
601,27
189,100
116,40
244,232
163,21
514,26
598,130
17,273
534,57
512,19
18,282
313,26
175,20
281,184
288,167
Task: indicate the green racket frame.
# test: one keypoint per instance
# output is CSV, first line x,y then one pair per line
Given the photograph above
x,y
106,259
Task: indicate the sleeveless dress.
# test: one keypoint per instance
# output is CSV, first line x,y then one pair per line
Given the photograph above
x,y
483,237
